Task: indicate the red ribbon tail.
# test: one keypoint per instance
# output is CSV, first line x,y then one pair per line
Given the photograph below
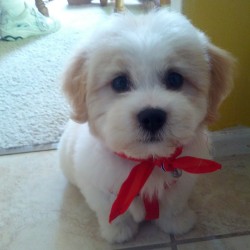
x,y
151,208
130,189
195,165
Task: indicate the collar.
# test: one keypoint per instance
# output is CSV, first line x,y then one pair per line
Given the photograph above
x,y
137,177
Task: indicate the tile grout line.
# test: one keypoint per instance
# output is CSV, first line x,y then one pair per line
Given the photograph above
x,y
146,247
173,242
212,237
171,245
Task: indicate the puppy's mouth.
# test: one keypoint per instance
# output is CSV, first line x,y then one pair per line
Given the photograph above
x,y
151,138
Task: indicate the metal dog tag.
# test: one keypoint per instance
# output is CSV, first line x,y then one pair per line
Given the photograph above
x,y
177,173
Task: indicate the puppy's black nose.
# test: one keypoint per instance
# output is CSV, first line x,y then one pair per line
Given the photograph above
x,y
152,119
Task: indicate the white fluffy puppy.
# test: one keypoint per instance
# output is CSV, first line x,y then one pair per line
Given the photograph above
x,y
141,86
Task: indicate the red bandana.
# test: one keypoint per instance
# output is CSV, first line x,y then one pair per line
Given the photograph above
x,y
132,186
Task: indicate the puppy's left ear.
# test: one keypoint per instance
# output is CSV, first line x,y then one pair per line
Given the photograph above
x,y
221,78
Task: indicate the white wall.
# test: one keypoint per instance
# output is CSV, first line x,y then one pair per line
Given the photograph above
x,y
176,5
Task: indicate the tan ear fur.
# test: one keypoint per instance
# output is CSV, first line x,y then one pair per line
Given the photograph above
x,y
74,86
222,65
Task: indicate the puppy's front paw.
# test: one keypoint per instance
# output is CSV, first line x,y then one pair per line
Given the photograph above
x,y
178,224
137,210
120,230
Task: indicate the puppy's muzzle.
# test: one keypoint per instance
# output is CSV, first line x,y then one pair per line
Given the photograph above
x,y
151,121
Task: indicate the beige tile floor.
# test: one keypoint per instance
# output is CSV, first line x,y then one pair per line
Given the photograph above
x,y
39,210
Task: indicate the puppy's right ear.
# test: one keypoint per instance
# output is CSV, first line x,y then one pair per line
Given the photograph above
x,y
74,86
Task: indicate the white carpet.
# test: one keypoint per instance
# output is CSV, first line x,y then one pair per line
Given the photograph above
x,y
33,110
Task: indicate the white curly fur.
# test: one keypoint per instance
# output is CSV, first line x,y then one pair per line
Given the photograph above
x,y
142,47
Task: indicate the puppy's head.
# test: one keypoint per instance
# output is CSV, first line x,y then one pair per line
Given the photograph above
x,y
146,84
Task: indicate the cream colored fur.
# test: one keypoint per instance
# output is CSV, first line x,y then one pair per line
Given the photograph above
x,y
104,122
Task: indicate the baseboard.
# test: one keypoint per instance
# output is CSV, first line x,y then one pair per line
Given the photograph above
x,y
28,149
231,142
226,143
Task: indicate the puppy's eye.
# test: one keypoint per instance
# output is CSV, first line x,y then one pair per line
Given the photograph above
x,y
173,80
120,84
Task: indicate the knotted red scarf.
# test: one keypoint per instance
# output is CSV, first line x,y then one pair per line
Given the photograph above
x,y
132,186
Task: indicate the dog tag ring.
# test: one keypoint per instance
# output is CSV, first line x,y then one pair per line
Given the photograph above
x,y
177,173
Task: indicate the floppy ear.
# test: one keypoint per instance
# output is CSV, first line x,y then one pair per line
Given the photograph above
x,y
222,64
74,86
